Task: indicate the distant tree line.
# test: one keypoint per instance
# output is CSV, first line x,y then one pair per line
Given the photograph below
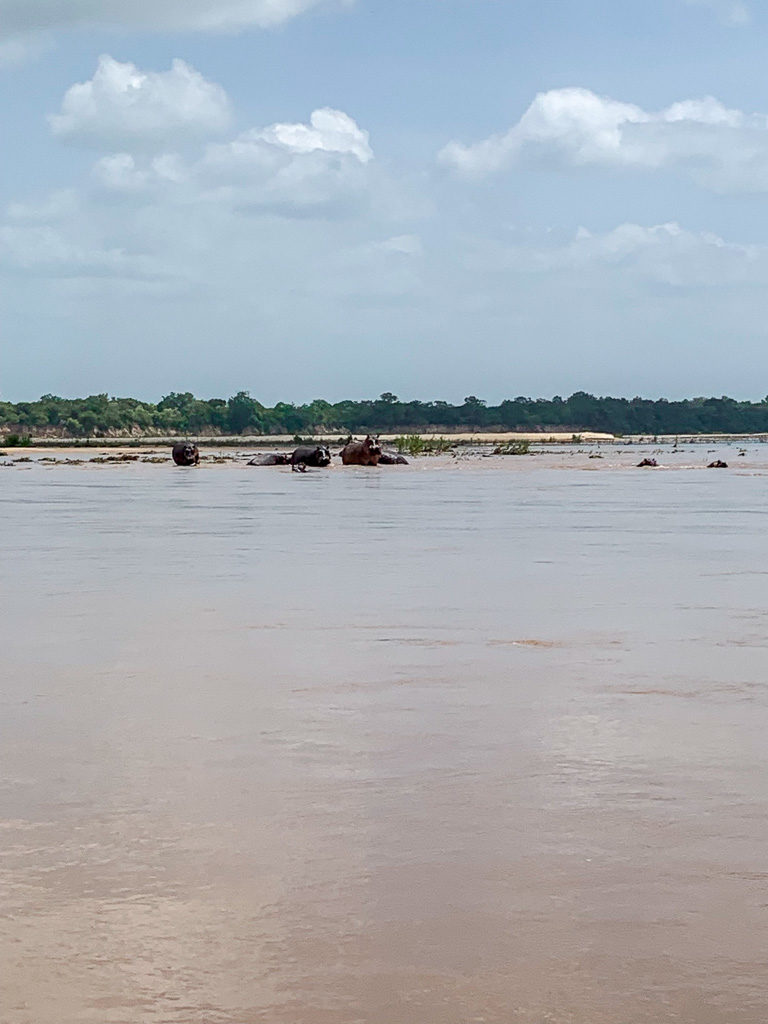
x,y
183,413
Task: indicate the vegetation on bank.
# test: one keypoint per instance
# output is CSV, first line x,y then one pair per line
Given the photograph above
x,y
183,413
513,448
414,444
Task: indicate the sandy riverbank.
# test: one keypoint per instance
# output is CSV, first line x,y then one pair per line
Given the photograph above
x,y
267,440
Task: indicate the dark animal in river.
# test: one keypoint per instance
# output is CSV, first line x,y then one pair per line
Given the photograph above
x,y
270,459
647,462
305,455
361,453
390,459
185,454
718,464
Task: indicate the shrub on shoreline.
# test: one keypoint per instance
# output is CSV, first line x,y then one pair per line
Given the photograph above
x,y
413,444
514,448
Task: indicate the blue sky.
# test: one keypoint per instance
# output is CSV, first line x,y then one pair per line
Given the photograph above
x,y
333,199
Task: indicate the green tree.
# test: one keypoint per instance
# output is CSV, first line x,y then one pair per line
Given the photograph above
x,y
243,413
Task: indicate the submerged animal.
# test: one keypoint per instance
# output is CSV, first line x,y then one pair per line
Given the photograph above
x,y
718,464
361,453
305,455
270,459
390,459
647,462
185,453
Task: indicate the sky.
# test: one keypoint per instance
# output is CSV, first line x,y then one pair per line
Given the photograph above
x,y
336,198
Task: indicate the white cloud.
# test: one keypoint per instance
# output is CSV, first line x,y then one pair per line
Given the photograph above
x,y
665,253
149,119
315,170
722,148
40,250
297,169
662,254
122,172
123,107
331,131
573,124
19,16
55,207
732,12
313,184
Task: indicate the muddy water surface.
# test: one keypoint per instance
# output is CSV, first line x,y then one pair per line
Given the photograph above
x,y
476,740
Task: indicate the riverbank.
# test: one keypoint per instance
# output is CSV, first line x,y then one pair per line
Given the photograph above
x,y
284,440
479,439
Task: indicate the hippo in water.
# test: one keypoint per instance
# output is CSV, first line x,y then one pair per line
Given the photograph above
x,y
718,464
647,462
361,453
270,459
185,454
391,459
305,455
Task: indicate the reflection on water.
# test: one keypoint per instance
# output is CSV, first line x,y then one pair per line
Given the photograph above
x,y
465,742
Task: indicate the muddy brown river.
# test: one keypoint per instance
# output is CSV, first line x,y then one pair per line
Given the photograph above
x,y
473,741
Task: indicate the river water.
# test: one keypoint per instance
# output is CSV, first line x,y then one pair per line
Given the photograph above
x,y
473,740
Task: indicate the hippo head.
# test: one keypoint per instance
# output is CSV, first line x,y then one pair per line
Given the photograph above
x,y
372,445
185,454
322,455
